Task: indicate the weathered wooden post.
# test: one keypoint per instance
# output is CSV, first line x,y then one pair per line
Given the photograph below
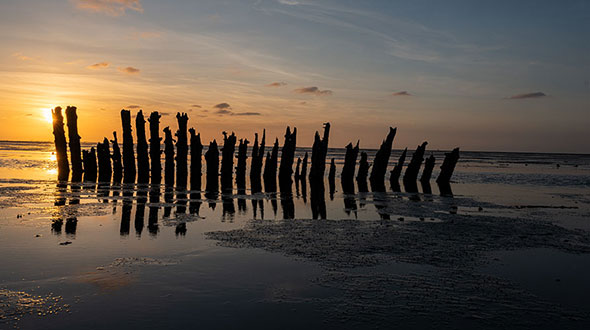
x,y
212,160
361,177
332,178
169,158
196,152
397,171
411,175
446,171
117,165
61,149
428,167
155,152
303,175
381,162
227,162
287,157
318,155
181,151
104,161
297,175
128,153
241,166
143,163
75,151
89,159
270,168
256,163
347,176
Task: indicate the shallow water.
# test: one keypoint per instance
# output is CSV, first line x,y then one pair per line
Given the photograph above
x,y
509,250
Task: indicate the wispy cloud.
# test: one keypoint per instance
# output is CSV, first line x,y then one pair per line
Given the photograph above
x,y
222,106
22,57
98,66
527,96
109,7
313,90
401,93
223,112
246,114
289,2
128,70
277,84
133,106
195,106
145,35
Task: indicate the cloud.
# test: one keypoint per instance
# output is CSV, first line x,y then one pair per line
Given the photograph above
x,y
246,114
289,2
110,7
401,93
29,115
222,106
277,84
128,70
313,90
133,106
165,113
145,35
22,57
98,66
223,112
527,96
195,106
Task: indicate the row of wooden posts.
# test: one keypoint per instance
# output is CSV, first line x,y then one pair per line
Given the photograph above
x,y
121,167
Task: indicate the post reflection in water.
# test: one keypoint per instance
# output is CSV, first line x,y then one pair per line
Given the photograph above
x,y
144,196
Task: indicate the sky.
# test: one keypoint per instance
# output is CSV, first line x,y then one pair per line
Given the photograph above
x,y
480,75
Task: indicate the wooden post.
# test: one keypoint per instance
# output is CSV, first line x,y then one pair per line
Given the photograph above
x,y
397,171
89,159
381,162
143,162
270,169
332,178
61,149
117,166
428,167
287,158
212,159
347,177
448,166
241,167
256,163
304,168
361,177
181,151
227,162
75,151
196,152
169,155
128,153
104,161
155,152
318,155
298,170
411,175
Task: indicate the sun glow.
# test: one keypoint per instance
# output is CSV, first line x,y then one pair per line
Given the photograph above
x,y
46,113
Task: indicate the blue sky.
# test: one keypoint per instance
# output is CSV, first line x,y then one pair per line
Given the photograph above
x,y
499,75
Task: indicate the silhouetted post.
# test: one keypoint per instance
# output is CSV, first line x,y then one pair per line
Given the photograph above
x,y
397,171
227,162
287,158
332,178
304,168
411,175
75,151
181,151
128,153
347,176
212,160
446,171
298,169
117,165
381,162
270,169
256,163
104,161
361,177
143,163
428,167
196,152
318,155
89,159
155,152
241,167
61,149
169,158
